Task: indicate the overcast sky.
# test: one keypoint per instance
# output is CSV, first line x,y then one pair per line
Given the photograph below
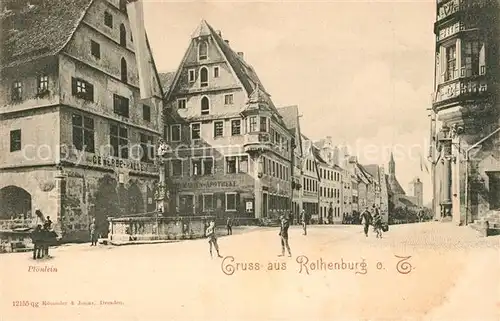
x,y
360,72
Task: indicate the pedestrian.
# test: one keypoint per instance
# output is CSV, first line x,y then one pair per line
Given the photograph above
x,y
330,214
366,219
212,238
93,233
377,224
229,225
36,237
47,224
303,219
285,224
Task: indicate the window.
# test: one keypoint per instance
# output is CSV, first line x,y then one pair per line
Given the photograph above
x,y
146,113
43,84
120,105
192,75
208,166
119,141
216,72
236,164
108,19
203,50
231,201
123,69
470,59
123,36
147,148
15,140
263,124
202,166
243,164
208,202
205,106
123,5
218,129
228,99
195,131
17,91
196,167
451,60
175,133
203,77
235,127
95,49
252,127
83,133
82,89
181,103
176,167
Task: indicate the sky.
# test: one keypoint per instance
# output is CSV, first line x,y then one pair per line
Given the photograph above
x,y
360,71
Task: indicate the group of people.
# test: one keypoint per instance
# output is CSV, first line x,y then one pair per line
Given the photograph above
x,y
373,218
42,236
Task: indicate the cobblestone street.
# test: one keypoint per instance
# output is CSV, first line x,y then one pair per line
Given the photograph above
x,y
451,267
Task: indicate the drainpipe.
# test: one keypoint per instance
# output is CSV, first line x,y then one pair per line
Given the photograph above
x,y
467,172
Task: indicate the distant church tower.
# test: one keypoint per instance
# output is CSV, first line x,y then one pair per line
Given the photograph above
x,y
392,166
417,191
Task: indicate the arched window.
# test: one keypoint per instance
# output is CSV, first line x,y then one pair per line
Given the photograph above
x,y
202,50
124,70
205,106
123,35
203,77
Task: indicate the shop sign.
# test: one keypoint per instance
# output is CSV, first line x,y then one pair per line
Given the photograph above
x,y
207,184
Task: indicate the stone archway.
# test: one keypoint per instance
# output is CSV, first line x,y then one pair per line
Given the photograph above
x,y
135,200
106,204
14,201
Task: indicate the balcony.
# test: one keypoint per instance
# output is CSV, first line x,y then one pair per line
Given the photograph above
x,y
461,89
257,142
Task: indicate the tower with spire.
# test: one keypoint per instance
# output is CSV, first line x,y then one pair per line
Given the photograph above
x,y
392,165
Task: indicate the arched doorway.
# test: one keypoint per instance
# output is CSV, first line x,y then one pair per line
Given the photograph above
x,y
106,204
14,202
135,200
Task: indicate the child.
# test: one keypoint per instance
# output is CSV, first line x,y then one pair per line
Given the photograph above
x,y
212,239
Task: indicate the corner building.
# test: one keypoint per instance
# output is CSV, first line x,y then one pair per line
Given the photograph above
x,y
78,139
231,153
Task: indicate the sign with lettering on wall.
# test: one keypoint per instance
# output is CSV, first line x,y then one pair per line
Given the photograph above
x,y
207,184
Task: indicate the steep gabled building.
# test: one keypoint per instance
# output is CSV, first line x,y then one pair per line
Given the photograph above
x,y
310,180
78,134
231,152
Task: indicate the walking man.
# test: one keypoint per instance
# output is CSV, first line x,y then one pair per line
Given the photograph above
x,y
212,239
285,224
303,219
377,223
229,225
93,233
36,236
366,219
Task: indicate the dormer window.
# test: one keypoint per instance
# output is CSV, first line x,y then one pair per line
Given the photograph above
x,y
203,77
203,50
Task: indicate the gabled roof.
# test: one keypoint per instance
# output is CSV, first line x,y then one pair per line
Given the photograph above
x,y
291,116
373,170
37,30
166,80
316,153
394,185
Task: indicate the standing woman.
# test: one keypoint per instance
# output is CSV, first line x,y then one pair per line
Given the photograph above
x,y
212,239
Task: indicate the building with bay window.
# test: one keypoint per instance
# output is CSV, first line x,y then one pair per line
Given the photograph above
x,y
465,121
78,139
230,150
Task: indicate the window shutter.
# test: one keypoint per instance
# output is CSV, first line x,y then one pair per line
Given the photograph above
x,y
199,205
90,92
73,86
238,204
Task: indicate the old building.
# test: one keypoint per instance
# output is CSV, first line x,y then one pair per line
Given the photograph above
x,y
291,118
382,190
310,180
231,152
465,124
78,137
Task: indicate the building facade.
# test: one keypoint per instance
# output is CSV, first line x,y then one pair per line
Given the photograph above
x,y
230,151
79,138
416,190
465,123
310,180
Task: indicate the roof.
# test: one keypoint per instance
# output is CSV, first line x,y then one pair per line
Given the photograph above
x,y
166,80
317,154
407,202
37,30
373,170
394,185
290,116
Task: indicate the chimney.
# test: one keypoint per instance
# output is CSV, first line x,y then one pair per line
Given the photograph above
x,y
227,42
219,33
242,55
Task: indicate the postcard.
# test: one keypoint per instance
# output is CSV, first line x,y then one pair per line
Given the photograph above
x,y
249,160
